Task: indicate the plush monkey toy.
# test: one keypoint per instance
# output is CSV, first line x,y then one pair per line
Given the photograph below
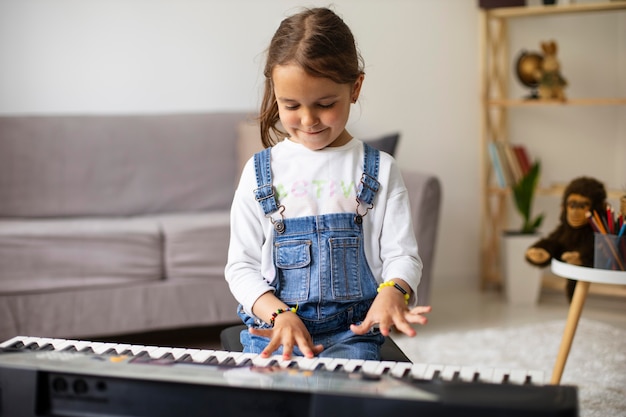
x,y
573,239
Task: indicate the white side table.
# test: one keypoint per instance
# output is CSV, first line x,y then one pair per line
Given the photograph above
x,y
585,276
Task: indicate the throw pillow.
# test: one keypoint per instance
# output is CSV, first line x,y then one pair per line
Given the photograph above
x,y
386,143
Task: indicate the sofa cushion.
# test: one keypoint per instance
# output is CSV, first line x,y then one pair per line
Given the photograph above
x,y
75,253
111,165
195,244
387,143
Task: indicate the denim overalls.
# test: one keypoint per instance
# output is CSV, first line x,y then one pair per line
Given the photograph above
x,y
321,268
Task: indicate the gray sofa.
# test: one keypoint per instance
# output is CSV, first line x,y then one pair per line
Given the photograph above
x,y
118,224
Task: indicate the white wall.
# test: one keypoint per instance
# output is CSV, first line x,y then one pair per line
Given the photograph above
x,y
144,56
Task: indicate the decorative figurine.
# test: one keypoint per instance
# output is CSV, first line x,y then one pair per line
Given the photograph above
x,y
573,239
551,83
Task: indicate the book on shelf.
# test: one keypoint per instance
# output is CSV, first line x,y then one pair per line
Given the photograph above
x,y
497,164
522,158
510,162
514,165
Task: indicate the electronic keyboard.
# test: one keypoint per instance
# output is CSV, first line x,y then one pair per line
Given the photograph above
x,y
59,377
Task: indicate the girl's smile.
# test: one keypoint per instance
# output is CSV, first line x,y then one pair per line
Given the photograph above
x,y
313,110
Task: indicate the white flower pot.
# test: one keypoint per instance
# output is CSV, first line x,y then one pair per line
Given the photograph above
x,y
522,281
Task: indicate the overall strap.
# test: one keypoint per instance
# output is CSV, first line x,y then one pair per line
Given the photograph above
x,y
369,185
265,194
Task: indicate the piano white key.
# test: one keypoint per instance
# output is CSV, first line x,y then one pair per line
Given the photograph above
x,y
137,349
307,364
322,363
60,344
400,369
517,376
283,363
177,352
42,341
432,371
418,370
336,363
78,344
120,348
12,341
221,355
29,339
158,352
537,377
244,356
202,355
467,373
100,347
448,372
485,375
353,364
259,361
383,367
369,367
500,375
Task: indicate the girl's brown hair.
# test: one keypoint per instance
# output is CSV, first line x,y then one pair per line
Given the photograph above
x,y
322,44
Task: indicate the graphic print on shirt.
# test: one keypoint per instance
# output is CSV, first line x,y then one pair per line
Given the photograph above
x,y
317,196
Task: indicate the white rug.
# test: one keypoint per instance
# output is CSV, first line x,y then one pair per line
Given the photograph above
x,y
596,363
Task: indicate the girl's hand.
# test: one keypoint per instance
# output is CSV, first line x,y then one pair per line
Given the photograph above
x,y
288,331
389,309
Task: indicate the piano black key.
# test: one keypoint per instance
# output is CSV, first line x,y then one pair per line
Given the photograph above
x,y
168,355
87,349
69,348
386,370
17,345
320,367
47,347
32,346
185,358
229,361
211,360
246,362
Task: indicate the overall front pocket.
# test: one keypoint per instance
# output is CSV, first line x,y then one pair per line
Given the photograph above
x,y
293,263
345,266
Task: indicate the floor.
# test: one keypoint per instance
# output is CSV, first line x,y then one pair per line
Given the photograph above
x,y
463,310
452,311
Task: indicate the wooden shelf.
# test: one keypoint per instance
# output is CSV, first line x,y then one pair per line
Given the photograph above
x,y
555,190
524,11
569,102
496,104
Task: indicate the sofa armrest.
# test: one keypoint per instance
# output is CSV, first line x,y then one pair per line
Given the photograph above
x,y
425,197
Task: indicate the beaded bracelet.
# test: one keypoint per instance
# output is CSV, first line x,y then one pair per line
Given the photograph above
x,y
396,286
281,311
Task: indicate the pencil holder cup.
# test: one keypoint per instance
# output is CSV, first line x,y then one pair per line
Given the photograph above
x,y
609,252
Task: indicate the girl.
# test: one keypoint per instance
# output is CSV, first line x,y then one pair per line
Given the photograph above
x,y
321,247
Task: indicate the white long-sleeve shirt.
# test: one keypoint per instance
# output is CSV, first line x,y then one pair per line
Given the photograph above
x,y
311,183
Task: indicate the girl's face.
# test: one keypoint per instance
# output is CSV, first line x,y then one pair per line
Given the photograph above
x,y
313,110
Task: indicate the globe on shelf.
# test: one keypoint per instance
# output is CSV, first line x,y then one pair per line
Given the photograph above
x,y
528,71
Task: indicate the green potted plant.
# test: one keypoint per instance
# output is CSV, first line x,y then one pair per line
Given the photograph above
x,y
522,281
523,195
